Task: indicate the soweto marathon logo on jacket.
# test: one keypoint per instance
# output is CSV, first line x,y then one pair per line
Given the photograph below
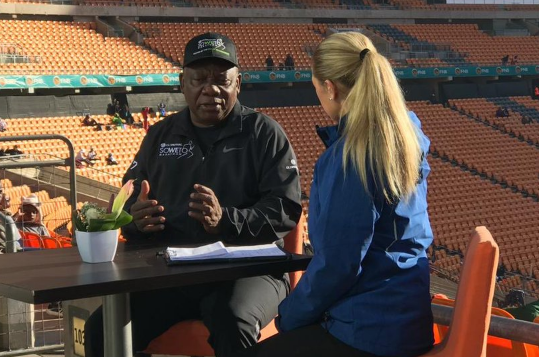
x,y
179,150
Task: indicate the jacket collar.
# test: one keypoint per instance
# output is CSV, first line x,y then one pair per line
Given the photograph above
x,y
330,134
184,126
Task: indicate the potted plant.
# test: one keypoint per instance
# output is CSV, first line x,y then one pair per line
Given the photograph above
x,y
96,228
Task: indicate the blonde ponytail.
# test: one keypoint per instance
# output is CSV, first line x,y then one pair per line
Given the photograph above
x,y
378,131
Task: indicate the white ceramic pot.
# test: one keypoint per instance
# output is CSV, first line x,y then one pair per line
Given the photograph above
x,y
97,247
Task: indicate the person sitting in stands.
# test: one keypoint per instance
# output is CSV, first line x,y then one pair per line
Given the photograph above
x,y
7,220
87,121
92,155
161,108
81,157
116,120
289,62
3,125
269,63
29,217
111,160
14,151
499,112
505,112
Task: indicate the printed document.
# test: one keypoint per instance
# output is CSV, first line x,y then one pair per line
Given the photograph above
x,y
219,251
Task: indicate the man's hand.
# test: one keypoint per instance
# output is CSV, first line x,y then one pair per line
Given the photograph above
x,y
205,208
144,209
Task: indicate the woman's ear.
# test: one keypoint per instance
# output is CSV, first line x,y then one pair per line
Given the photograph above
x,y
331,89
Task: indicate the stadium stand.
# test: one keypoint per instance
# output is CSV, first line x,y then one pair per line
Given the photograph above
x,y
65,47
254,41
476,46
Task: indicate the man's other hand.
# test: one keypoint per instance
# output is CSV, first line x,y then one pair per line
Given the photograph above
x,y
205,208
146,212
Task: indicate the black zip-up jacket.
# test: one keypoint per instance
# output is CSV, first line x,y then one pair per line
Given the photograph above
x,y
251,168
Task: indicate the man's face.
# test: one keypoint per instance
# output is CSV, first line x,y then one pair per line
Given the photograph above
x,y
211,89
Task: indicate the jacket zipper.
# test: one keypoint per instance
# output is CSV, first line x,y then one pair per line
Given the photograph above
x,y
394,235
326,321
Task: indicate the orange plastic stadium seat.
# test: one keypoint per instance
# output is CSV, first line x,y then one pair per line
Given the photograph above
x,y
467,335
190,338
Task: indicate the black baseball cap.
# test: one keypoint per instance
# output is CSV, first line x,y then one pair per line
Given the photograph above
x,y
210,45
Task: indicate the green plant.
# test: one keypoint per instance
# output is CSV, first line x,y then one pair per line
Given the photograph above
x,y
93,218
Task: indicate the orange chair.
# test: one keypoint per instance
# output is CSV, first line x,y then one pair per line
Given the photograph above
x,y
31,240
467,335
190,337
496,346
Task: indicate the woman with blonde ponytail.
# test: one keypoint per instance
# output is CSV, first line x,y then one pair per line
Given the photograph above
x,y
366,290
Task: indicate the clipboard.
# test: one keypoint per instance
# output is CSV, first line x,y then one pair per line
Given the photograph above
x,y
265,252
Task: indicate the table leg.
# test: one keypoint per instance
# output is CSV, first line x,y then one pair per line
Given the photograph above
x,y
117,326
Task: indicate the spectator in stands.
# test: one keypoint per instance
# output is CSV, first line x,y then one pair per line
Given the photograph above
x,y
92,155
527,312
14,151
116,106
251,196
82,158
116,120
144,113
111,160
128,116
6,221
269,63
289,62
161,109
29,217
505,59
505,112
110,109
499,112
3,125
368,219
87,121
514,60
536,92
281,66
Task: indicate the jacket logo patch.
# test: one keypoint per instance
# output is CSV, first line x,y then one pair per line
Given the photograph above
x,y
227,149
176,149
293,165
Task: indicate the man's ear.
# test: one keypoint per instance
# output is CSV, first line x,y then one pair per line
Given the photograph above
x,y
238,82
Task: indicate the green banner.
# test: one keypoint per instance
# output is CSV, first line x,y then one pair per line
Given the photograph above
x,y
87,81
467,71
275,76
172,79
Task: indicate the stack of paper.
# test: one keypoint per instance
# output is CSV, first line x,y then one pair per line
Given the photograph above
x,y
218,251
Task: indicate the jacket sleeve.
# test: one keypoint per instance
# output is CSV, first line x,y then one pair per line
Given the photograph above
x,y
136,171
279,208
341,227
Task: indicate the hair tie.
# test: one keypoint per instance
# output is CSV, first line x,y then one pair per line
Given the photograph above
x,y
363,53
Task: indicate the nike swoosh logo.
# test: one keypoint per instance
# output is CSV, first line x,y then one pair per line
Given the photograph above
x,y
225,149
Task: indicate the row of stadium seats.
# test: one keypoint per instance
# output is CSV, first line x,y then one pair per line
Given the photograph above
x,y
480,147
64,47
485,110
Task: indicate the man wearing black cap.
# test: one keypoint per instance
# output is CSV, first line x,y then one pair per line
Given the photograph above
x,y
216,171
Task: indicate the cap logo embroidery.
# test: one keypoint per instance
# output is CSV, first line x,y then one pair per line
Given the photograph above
x,y
212,44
